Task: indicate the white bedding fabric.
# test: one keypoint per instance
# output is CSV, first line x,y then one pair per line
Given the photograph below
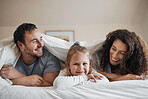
x,y
133,89
63,81
113,90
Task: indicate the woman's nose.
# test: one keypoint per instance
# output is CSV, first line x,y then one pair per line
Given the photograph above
x,y
115,54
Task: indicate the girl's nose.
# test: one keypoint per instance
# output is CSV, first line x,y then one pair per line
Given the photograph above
x,y
81,67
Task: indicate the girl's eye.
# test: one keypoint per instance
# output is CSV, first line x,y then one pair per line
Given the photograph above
x,y
76,64
84,63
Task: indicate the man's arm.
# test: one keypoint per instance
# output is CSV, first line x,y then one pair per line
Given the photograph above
x,y
33,80
8,71
18,78
49,78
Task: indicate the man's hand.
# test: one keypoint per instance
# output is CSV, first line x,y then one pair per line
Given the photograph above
x,y
8,71
49,78
33,80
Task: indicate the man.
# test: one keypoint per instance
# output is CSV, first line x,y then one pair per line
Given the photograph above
x,y
36,65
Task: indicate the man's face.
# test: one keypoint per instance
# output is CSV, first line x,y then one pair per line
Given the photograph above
x,y
33,43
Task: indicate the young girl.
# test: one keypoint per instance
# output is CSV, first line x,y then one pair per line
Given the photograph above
x,y
77,69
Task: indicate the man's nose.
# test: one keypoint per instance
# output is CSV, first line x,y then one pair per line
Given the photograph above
x,y
40,43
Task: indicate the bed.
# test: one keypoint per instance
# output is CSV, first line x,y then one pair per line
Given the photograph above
x,y
131,89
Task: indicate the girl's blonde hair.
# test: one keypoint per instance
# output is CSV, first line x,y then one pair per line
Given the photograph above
x,y
74,49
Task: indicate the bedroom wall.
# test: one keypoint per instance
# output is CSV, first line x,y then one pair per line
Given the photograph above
x,y
90,19
145,24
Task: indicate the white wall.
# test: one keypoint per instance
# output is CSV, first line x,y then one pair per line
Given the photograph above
x,y
90,19
145,24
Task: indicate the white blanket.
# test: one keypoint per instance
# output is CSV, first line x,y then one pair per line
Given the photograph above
x,y
121,89
9,53
133,89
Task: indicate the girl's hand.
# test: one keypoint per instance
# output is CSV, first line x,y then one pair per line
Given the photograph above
x,y
94,76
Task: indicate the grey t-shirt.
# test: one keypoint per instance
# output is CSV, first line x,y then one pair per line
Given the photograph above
x,y
45,64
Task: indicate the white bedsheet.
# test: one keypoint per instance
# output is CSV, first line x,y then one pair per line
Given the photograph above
x,y
9,54
133,89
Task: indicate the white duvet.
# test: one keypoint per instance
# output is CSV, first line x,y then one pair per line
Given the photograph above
x,y
131,89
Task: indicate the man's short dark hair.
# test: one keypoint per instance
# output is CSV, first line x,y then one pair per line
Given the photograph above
x,y
20,32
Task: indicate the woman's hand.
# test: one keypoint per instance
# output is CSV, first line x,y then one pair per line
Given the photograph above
x,y
128,77
94,76
131,77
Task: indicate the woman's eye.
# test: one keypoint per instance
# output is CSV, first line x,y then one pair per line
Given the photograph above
x,y
113,49
123,53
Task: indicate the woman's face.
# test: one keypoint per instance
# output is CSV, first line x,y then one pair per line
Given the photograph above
x,y
117,52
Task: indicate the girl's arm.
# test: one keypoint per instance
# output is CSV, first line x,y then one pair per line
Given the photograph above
x,y
63,81
68,81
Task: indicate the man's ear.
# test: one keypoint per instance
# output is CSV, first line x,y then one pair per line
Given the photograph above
x,y
20,45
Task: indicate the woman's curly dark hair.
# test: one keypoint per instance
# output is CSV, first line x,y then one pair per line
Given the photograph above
x,y
134,62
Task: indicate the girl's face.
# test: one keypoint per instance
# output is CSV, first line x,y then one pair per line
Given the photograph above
x,y
79,64
117,52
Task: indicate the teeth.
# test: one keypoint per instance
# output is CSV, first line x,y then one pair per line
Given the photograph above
x,y
114,59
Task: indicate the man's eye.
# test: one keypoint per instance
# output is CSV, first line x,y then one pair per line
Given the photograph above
x,y
34,41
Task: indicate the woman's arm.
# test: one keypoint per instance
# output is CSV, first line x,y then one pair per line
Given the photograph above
x,y
118,77
128,77
109,75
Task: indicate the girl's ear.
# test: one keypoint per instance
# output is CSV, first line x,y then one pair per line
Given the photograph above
x,y
66,65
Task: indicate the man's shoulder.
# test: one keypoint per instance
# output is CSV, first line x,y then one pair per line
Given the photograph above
x,y
47,54
45,50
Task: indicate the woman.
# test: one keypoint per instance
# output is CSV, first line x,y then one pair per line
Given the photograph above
x,y
123,56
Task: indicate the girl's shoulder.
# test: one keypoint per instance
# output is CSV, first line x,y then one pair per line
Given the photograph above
x,y
64,72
